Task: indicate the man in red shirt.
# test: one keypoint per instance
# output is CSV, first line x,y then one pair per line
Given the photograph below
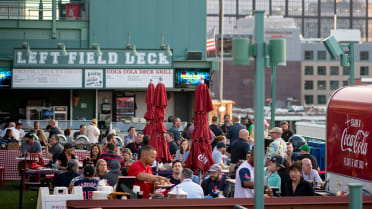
x,y
142,170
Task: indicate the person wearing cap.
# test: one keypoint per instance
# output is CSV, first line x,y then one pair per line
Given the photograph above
x,y
277,145
88,183
271,175
286,132
93,132
30,145
309,173
215,183
219,156
233,132
142,170
64,179
305,153
65,156
113,174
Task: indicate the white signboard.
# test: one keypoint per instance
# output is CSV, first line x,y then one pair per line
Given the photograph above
x,y
137,78
47,78
93,79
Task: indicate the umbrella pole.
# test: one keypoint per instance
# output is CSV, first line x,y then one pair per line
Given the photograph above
x,y
200,176
157,168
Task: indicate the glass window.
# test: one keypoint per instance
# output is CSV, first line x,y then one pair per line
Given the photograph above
x,y
364,70
322,55
346,71
309,99
322,99
345,83
322,70
334,85
364,55
309,85
334,70
309,70
309,55
322,85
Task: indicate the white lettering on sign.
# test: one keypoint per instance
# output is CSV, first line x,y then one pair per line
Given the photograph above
x,y
163,59
354,143
43,57
72,57
141,58
101,61
90,58
81,55
55,56
19,58
32,58
129,59
151,58
112,58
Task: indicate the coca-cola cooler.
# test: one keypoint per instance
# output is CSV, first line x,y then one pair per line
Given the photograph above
x,y
349,145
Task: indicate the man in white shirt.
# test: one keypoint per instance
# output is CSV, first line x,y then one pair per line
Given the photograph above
x,y
309,173
192,189
93,132
16,133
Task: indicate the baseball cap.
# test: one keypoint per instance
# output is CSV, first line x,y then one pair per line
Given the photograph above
x,y
221,145
278,160
88,171
114,165
305,148
30,135
276,130
18,123
215,168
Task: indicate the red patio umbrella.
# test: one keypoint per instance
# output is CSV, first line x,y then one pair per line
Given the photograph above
x,y
200,156
157,139
149,115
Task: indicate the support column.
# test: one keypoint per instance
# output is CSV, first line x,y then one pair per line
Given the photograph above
x,y
352,63
355,196
259,109
273,93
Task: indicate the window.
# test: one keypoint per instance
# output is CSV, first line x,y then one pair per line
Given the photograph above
x,y
364,55
322,55
345,83
309,55
322,99
334,70
309,70
322,70
364,70
308,85
309,99
322,85
346,71
334,85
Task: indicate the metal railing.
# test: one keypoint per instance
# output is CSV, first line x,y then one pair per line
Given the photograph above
x,y
42,10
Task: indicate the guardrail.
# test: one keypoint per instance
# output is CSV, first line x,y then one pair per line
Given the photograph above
x,y
43,10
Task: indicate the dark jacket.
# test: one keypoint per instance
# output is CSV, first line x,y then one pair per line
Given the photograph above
x,y
207,186
233,132
64,179
304,188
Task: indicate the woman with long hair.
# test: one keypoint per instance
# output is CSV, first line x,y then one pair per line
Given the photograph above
x,y
42,137
65,156
95,153
127,157
101,168
182,153
296,186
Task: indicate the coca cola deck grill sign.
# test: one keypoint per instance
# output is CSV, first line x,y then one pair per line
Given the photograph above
x,y
349,127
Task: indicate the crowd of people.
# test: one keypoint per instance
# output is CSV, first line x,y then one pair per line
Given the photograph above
x,y
285,173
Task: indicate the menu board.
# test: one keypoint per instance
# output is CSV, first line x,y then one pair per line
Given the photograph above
x,y
93,78
137,78
47,78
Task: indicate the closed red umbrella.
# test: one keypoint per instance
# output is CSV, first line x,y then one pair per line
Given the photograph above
x,y
200,156
149,115
157,139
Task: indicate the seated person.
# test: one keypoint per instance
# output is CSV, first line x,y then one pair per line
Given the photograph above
x,y
82,131
173,147
65,156
215,183
310,174
219,156
177,168
8,137
305,153
271,175
296,186
142,170
30,145
53,148
111,139
192,189
88,183
111,155
136,145
113,174
64,179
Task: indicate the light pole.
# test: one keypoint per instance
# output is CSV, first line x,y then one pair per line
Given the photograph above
x,y
241,52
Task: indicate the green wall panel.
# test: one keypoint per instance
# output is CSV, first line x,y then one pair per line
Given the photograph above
x,y
86,106
183,23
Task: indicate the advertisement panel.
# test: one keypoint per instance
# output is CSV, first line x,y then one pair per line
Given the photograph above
x,y
137,78
47,78
349,127
93,79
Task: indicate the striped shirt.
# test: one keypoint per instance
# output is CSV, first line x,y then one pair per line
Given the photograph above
x,y
108,156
